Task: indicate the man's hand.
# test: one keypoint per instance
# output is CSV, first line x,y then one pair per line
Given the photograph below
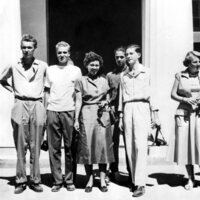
x,y
77,126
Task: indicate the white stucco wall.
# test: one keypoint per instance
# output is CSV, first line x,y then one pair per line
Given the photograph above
x,y
167,36
10,35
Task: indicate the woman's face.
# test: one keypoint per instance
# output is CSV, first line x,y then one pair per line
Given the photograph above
x,y
194,65
93,67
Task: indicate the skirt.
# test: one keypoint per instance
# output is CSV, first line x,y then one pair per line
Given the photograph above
x,y
95,144
184,145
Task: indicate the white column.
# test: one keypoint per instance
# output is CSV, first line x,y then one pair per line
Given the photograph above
x,y
10,35
167,36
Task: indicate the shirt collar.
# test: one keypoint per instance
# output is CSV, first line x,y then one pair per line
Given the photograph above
x,y
35,64
186,74
140,69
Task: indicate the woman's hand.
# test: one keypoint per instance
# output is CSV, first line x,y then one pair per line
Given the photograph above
x,y
77,126
103,103
121,126
198,100
192,101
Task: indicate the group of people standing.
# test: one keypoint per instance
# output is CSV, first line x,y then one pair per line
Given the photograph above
x,y
96,107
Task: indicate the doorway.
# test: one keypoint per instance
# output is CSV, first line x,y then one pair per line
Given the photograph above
x,y
93,25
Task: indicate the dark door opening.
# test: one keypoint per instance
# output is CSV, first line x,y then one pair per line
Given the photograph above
x,y
93,25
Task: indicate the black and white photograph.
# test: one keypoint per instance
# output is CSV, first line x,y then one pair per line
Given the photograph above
x,y
99,99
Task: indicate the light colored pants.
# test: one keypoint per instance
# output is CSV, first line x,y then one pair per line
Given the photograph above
x,y
28,119
136,127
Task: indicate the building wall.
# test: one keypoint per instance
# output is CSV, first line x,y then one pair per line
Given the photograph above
x,y
10,33
27,16
33,20
167,36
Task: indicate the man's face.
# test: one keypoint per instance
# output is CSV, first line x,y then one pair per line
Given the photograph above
x,y
120,58
27,49
132,56
63,54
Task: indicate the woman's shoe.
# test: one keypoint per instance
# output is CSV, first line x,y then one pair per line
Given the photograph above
x,y
104,188
56,188
189,185
88,189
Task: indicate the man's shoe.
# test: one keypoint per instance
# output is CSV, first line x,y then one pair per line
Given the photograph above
x,y
115,176
36,187
70,187
56,188
139,191
20,188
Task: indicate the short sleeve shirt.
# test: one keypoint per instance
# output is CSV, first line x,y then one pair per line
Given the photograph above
x,y
28,85
61,81
93,91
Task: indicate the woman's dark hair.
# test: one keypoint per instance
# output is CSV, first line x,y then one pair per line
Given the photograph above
x,y
92,56
190,57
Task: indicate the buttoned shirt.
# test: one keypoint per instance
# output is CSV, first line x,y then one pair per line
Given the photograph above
x,y
93,91
114,82
134,85
26,83
62,80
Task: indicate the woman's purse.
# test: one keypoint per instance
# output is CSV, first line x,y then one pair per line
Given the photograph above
x,y
113,116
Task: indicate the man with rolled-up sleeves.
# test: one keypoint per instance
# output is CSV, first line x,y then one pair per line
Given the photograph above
x,y
28,113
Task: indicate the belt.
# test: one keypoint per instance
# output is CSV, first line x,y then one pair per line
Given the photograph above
x,y
28,98
130,101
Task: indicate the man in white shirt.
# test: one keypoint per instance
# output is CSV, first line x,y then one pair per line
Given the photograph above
x,y
60,98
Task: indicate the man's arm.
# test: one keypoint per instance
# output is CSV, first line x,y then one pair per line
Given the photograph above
x,y
78,105
46,96
4,76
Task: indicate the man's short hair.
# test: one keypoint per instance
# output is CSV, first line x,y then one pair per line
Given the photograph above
x,y
29,38
62,44
134,46
121,48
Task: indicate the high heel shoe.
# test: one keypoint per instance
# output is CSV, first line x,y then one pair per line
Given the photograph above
x,y
104,188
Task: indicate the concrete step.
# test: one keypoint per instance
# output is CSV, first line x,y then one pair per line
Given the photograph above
x,y
156,156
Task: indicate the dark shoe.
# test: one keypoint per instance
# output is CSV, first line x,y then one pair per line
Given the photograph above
x,y
20,188
88,189
70,187
36,187
139,191
115,176
104,188
132,187
56,188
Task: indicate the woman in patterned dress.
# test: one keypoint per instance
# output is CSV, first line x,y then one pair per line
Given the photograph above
x,y
186,90
93,121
